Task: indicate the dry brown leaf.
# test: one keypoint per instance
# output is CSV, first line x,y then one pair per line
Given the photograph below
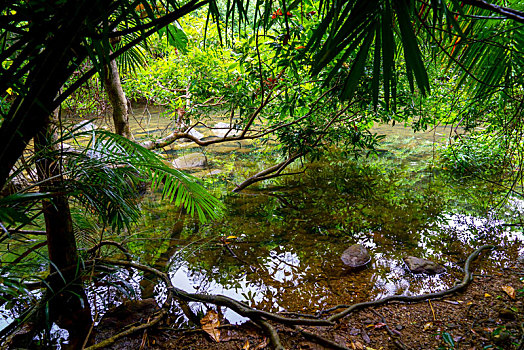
x,y
487,295
262,345
246,345
428,326
509,291
210,324
359,346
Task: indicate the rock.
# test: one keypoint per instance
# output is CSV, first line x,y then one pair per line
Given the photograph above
x,y
221,129
85,125
195,134
506,314
419,265
355,256
192,160
501,338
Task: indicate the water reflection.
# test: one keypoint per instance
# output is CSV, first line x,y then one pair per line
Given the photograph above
x,y
286,257
290,234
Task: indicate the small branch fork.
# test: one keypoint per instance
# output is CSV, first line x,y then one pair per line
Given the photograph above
x,y
261,317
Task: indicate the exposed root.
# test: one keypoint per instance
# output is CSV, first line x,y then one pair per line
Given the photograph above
x,y
468,277
111,243
261,318
144,326
271,332
320,340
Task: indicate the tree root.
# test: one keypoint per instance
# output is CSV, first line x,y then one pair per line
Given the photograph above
x,y
261,318
274,339
468,277
143,326
319,339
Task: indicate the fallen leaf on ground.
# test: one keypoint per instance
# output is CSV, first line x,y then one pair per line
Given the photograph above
x,y
486,295
509,291
246,345
359,346
428,326
210,324
262,345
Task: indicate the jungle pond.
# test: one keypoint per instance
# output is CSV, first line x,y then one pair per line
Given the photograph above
x,y
278,246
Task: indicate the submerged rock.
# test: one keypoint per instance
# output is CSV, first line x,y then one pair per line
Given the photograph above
x,y
85,125
355,256
419,265
222,129
192,160
195,134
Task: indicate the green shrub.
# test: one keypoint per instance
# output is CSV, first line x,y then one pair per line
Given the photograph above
x,y
476,153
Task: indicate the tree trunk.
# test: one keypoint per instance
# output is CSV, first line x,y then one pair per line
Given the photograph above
x,y
69,306
118,100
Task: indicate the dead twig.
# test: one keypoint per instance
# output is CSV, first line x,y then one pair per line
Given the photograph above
x,y
398,343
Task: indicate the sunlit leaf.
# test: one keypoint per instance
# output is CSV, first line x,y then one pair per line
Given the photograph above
x,y
509,291
210,323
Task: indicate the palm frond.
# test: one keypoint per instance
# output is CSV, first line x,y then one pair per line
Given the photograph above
x,y
177,186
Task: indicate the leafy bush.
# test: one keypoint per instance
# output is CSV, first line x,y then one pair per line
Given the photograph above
x,y
481,154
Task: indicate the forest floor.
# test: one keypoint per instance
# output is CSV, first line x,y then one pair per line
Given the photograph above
x,y
488,314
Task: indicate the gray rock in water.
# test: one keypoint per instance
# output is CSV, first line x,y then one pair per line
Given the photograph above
x,y
192,160
419,265
195,134
356,256
222,129
85,125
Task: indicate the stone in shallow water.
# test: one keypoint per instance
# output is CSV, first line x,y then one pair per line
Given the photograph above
x,y
355,256
85,125
222,129
192,160
419,265
195,134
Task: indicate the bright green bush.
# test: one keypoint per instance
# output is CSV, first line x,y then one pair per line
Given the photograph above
x,y
480,154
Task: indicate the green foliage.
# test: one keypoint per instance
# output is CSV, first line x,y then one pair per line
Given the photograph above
x,y
165,80
111,156
448,340
476,154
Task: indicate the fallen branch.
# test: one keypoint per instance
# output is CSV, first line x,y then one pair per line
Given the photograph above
x,y
268,173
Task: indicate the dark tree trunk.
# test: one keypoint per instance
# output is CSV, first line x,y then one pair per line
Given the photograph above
x,y
118,100
68,301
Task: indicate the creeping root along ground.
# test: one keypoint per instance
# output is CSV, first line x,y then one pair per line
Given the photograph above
x,y
262,318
